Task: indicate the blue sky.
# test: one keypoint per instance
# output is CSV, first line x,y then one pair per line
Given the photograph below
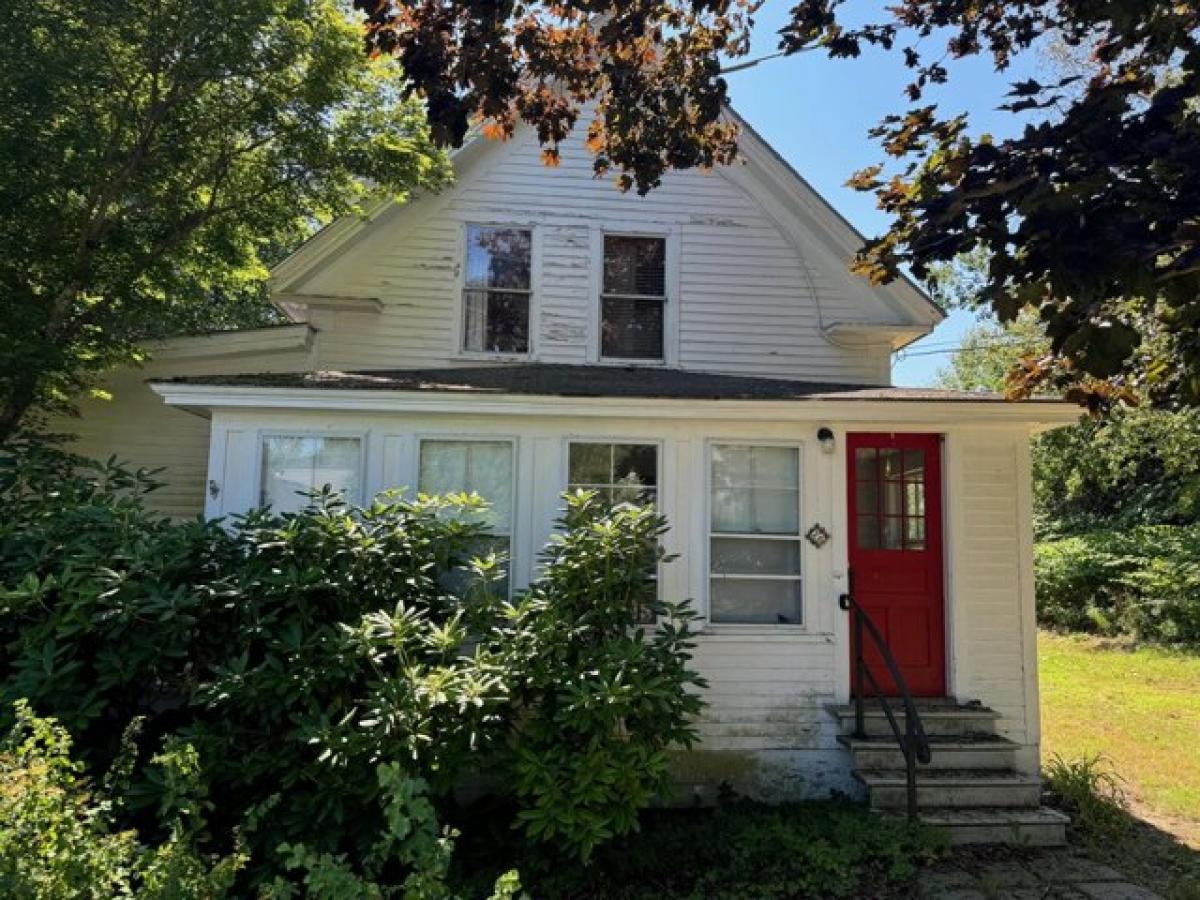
x,y
816,112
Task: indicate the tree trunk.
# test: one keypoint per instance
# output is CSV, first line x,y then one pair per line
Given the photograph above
x,y
21,395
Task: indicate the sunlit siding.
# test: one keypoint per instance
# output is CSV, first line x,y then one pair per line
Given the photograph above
x,y
991,616
748,302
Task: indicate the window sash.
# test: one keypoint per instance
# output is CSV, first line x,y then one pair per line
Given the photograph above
x,y
488,286
478,335
283,481
746,474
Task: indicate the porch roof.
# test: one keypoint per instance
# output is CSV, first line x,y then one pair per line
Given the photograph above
x,y
560,380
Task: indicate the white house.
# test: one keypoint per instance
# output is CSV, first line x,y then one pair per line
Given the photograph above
x,y
533,329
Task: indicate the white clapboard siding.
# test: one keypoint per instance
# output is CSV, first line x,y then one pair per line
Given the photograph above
x,y
989,583
748,301
137,428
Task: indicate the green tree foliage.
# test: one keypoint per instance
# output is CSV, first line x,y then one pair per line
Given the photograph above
x,y
339,671
1088,216
1141,582
153,155
1131,466
59,836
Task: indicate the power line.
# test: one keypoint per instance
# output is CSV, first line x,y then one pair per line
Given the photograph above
x,y
978,348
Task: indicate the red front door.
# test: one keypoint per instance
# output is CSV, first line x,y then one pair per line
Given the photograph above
x,y
895,492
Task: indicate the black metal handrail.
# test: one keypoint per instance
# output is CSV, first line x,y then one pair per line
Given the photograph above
x,y
913,741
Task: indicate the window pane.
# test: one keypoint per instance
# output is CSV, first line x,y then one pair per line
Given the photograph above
x,y
867,532
755,602
893,492
496,321
756,490
867,499
482,467
498,257
631,328
892,538
635,464
589,464
914,534
747,556
914,465
864,464
891,462
635,265
294,465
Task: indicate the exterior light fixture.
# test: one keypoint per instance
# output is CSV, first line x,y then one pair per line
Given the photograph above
x,y
825,439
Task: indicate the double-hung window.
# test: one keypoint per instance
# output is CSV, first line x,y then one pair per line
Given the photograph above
x,y
293,465
633,297
474,467
618,473
755,545
497,289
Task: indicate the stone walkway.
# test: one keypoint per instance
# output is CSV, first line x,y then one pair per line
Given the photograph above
x,y
1035,875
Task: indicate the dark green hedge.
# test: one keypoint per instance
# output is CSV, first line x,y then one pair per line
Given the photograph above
x,y
1141,582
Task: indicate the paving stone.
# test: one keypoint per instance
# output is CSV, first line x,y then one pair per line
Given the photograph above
x,y
1006,874
1062,867
936,882
1116,890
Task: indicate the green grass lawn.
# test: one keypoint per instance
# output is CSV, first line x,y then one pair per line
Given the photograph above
x,y
1140,708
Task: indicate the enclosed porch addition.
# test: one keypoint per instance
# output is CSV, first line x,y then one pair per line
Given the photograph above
x,y
798,512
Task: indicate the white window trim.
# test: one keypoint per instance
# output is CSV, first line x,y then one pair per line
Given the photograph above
x,y
264,434
803,626
671,303
458,338
514,494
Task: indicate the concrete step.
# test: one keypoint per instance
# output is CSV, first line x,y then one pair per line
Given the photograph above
x,y
940,717
976,752
1040,827
954,789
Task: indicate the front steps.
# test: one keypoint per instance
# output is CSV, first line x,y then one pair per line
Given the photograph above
x,y
970,787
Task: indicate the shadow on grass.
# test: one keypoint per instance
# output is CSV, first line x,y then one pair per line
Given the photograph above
x,y
1148,855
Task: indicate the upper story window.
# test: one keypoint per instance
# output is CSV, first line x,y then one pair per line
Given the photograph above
x,y
497,289
633,297
293,465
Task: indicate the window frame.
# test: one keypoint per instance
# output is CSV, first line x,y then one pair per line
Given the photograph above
x,y
805,563
263,435
459,337
659,447
670,235
514,495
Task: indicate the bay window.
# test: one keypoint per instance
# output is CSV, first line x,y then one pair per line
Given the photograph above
x,y
497,289
755,546
293,465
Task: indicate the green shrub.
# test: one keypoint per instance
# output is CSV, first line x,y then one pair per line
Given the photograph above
x,y
597,700
59,838
303,656
1143,582
1091,792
